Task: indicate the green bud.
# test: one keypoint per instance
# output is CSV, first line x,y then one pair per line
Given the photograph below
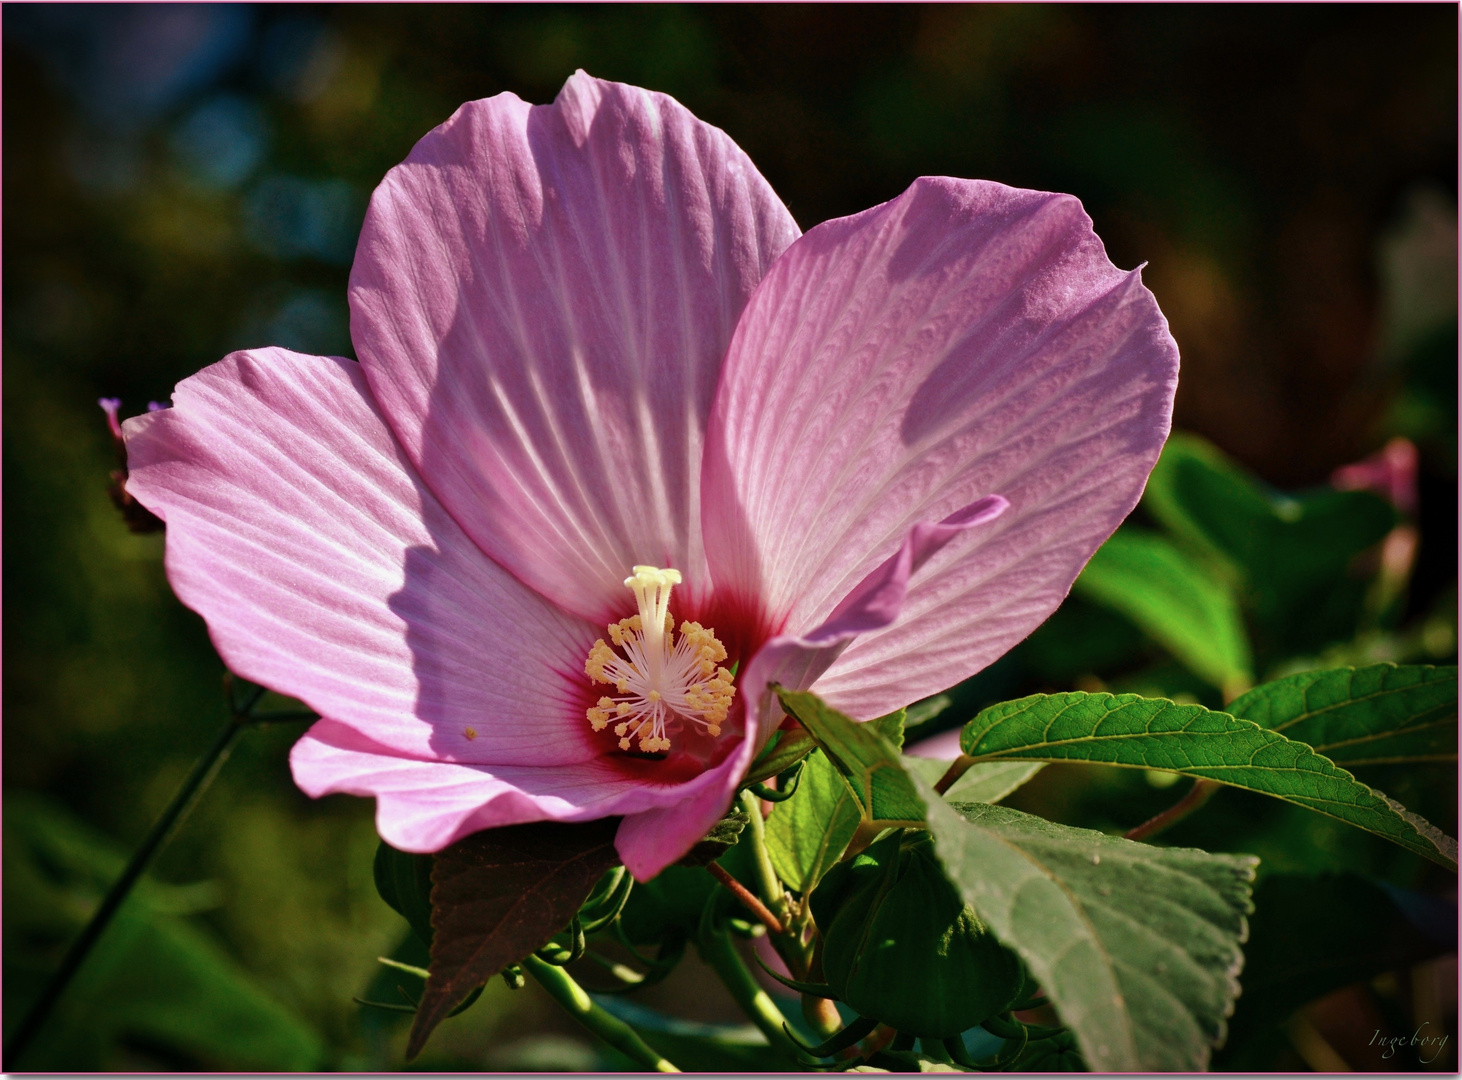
x,y
899,944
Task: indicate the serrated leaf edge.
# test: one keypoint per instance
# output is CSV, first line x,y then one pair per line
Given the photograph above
x,y
1445,846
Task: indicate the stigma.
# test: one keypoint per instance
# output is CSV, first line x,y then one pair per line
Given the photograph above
x,y
662,682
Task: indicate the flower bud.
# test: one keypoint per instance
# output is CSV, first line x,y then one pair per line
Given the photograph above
x,y
900,945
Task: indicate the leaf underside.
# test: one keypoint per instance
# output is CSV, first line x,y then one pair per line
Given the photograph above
x,y
497,896
1137,946
404,882
988,782
1136,732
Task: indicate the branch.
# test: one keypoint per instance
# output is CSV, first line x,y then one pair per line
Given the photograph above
x,y
747,898
957,768
198,780
1197,795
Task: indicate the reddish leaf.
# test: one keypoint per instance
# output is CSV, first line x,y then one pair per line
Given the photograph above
x,y
499,895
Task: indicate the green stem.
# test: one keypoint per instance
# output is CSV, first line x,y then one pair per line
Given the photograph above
x,y
198,780
562,988
771,886
785,937
718,951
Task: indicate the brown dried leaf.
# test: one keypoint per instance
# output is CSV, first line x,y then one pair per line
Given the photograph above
x,y
499,895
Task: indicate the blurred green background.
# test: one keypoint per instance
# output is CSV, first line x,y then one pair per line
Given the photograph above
x,y
181,181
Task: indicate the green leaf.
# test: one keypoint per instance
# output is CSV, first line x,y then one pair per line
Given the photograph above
x,y
891,727
808,833
782,751
667,908
867,760
497,896
987,783
1289,551
1314,934
1208,499
404,882
921,712
1205,498
1179,603
724,834
1139,957
1378,715
1137,946
1150,733
901,946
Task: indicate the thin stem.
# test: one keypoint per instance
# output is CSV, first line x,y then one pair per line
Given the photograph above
x,y
718,951
771,886
198,780
745,895
563,989
788,942
1198,794
822,1014
957,768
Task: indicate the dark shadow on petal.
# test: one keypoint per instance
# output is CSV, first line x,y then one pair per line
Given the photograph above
x,y
531,404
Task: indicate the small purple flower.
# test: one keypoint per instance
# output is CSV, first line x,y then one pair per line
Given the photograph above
x,y
110,405
622,449
138,518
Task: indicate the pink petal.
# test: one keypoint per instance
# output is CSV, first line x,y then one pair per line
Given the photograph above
x,y
941,747
964,339
875,603
426,805
1391,472
650,841
541,298
326,570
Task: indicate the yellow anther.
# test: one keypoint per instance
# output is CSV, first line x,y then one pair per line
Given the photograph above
x,y
471,733
663,683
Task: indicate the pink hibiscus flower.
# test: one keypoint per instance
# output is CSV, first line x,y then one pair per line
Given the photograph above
x,y
622,449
